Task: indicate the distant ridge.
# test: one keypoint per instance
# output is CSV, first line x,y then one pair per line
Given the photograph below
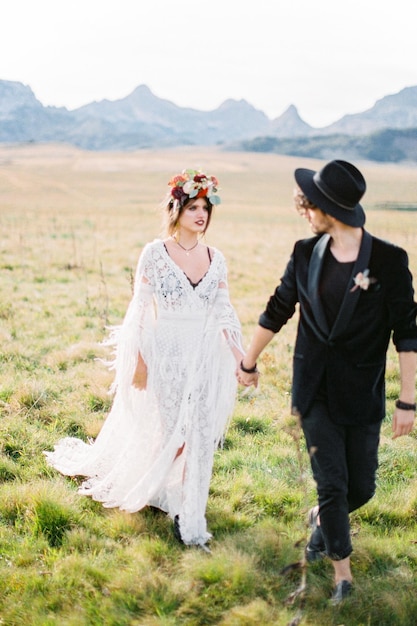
x,y
385,132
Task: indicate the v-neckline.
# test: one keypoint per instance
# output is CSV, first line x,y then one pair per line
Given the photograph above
x,y
190,282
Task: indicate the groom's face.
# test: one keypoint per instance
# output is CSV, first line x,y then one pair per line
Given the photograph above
x,y
319,221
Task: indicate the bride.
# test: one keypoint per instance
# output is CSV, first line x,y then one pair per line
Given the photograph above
x,y
176,354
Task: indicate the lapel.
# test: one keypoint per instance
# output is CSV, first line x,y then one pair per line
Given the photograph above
x,y
350,298
314,271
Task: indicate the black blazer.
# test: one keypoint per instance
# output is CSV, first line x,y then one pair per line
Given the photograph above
x,y
350,357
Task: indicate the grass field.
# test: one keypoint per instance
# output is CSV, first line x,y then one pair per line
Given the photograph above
x,y
72,226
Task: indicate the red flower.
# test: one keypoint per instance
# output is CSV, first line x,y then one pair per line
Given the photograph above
x,y
177,193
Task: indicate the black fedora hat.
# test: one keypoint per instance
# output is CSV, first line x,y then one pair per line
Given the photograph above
x,y
336,189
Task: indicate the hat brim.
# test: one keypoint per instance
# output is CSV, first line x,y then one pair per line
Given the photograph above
x,y
352,217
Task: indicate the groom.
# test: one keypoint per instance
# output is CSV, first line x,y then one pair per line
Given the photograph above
x,y
354,292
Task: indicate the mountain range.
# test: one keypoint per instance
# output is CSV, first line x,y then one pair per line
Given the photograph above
x,y
385,132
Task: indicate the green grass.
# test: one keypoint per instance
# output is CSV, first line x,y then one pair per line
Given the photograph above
x,y
72,226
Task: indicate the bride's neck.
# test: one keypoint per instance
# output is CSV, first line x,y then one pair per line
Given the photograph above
x,y
186,239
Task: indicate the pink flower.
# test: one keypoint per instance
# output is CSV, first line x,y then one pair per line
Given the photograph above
x,y
362,280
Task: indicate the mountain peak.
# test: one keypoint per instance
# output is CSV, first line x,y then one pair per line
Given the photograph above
x,y
14,95
405,97
231,103
290,124
142,92
291,109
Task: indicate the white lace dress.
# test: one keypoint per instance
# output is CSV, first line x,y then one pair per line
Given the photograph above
x,y
185,334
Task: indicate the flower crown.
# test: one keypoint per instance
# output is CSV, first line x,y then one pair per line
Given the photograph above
x,y
193,184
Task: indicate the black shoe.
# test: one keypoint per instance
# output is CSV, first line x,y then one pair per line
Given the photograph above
x,y
315,549
341,592
177,532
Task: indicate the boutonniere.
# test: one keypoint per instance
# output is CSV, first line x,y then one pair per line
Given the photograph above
x,y
362,280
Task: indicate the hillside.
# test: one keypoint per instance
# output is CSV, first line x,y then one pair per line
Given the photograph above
x,y
385,146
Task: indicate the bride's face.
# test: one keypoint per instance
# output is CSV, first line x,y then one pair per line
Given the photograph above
x,y
194,216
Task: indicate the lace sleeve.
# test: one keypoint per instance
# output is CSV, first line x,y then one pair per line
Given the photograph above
x,y
226,314
132,336
228,320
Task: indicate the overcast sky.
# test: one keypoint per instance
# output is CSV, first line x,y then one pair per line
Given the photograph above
x,y
326,57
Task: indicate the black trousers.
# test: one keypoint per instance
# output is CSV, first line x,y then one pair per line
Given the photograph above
x,y
344,461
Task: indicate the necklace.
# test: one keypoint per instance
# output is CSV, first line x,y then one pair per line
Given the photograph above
x,y
186,250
